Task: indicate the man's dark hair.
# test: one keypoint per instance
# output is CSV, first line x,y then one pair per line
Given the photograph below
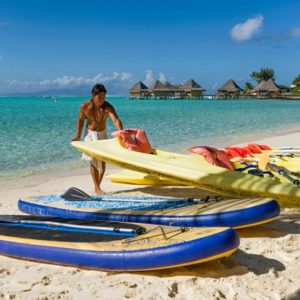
x,y
98,88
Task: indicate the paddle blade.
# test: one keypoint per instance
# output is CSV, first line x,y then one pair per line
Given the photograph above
x,y
75,194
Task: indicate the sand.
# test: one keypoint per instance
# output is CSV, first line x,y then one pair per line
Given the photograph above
x,y
266,266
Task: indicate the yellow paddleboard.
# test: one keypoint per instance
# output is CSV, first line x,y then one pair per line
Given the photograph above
x,y
139,178
192,170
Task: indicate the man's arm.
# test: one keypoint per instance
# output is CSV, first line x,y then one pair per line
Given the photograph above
x,y
114,117
79,124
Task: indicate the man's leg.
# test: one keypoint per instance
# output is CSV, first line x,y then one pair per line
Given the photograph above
x,y
101,172
95,177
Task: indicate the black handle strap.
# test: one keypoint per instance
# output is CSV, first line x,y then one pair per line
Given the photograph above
x,y
283,172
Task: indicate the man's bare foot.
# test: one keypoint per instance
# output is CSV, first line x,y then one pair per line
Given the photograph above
x,y
98,191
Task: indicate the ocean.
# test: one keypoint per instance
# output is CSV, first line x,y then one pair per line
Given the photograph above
x,y
36,132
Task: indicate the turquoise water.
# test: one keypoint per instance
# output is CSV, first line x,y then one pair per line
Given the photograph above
x,y
35,132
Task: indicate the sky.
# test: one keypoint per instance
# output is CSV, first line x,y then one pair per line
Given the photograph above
x,y
65,47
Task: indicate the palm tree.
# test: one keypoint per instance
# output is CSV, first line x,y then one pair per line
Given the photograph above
x,y
295,88
263,74
296,81
248,87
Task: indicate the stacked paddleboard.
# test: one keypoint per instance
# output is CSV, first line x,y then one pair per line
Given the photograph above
x,y
192,170
80,230
282,165
81,235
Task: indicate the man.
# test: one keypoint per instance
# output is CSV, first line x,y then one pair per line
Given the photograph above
x,y
96,111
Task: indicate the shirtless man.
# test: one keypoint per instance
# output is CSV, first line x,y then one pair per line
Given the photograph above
x,y
96,111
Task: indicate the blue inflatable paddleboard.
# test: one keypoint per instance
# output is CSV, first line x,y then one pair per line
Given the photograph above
x,y
191,212
112,246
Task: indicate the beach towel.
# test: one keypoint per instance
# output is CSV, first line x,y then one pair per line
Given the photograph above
x,y
94,136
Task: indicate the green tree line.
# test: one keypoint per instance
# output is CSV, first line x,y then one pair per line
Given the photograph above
x,y
266,74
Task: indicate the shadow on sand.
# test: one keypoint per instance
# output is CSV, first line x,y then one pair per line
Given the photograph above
x,y
239,263
293,296
286,223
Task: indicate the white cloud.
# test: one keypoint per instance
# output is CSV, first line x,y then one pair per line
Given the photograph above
x,y
162,77
72,81
149,77
114,81
125,76
243,32
295,32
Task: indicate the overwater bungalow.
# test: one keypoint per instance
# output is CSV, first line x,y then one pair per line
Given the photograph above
x,y
192,89
267,89
139,90
230,90
174,91
170,86
158,90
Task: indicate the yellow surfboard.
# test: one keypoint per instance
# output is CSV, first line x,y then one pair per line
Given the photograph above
x,y
139,178
192,170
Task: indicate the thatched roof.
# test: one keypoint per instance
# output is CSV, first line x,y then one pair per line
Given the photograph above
x,y
191,84
158,86
229,86
170,86
259,86
269,86
178,86
138,86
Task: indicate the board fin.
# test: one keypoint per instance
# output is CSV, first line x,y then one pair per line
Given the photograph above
x,y
75,194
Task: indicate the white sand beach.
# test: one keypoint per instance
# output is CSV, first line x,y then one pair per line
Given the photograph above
x,y
266,266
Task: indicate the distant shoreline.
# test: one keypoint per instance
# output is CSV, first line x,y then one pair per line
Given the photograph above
x,y
205,97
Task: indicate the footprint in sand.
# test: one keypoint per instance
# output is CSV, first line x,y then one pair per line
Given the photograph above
x,y
5,271
46,280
